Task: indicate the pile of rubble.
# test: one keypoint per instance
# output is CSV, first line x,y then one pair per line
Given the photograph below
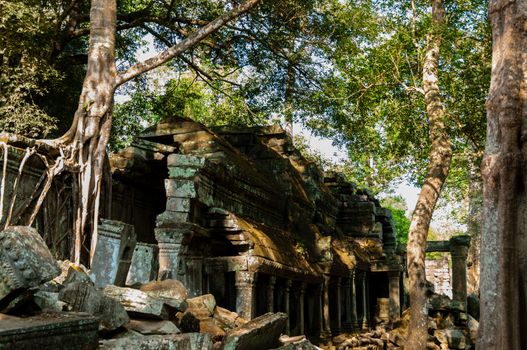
x,y
49,304
450,326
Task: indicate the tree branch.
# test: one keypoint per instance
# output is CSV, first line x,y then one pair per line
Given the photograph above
x,y
186,44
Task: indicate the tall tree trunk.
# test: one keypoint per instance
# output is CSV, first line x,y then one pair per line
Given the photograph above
x,y
90,131
503,284
475,207
84,144
440,157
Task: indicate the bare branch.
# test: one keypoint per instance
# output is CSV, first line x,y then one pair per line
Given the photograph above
x,y
186,44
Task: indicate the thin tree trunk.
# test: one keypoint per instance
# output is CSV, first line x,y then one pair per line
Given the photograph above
x,y
503,284
440,157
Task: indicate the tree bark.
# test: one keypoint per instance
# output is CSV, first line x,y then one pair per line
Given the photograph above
x,y
503,284
440,158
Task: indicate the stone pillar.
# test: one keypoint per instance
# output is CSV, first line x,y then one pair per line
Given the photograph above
x,y
354,320
301,303
270,293
338,309
245,283
347,325
365,307
287,289
326,330
319,305
394,282
172,242
113,252
459,252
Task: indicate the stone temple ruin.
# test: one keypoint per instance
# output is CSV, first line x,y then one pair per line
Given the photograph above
x,y
238,213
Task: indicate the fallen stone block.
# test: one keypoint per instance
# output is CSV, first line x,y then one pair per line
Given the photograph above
x,y
138,303
71,273
172,292
84,297
60,331
187,322
49,301
451,338
259,333
113,253
210,327
188,341
151,327
227,319
302,344
202,307
143,268
25,261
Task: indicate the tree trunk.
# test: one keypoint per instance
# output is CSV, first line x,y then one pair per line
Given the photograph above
x,y
440,157
84,145
503,285
475,207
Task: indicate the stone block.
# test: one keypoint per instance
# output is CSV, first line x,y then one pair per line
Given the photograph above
x,y
184,160
150,327
182,173
203,306
189,341
260,333
138,303
210,327
143,268
178,204
72,273
180,188
187,322
113,253
25,262
172,292
227,319
49,301
83,297
451,338
61,331
168,219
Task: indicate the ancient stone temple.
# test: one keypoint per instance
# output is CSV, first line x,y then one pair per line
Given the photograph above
x,y
239,213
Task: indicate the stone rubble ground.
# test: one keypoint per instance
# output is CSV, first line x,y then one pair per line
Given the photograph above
x,y
58,300
62,302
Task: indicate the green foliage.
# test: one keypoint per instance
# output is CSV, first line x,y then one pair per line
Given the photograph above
x,y
24,71
215,103
397,205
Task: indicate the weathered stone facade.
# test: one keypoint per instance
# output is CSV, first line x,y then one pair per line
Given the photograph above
x,y
239,213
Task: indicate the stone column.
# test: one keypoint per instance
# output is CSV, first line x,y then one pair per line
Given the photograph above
x,y
287,289
270,293
394,282
326,330
171,242
459,252
245,283
113,252
346,290
338,309
354,320
301,302
319,305
365,311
